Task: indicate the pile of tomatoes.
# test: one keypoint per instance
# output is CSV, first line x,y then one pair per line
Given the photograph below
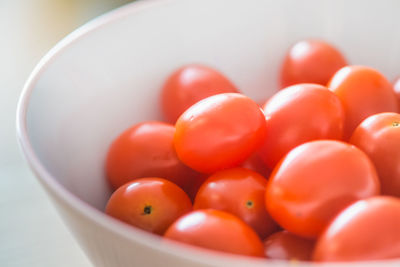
x,y
313,174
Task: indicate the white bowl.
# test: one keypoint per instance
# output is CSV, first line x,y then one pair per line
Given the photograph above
x,y
106,76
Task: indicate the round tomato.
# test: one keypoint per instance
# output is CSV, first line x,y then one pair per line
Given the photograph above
x,y
146,150
217,230
314,181
287,246
219,132
365,231
310,61
379,137
298,114
190,84
151,204
241,192
363,92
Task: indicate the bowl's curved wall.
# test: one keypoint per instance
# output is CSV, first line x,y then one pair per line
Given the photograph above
x,y
107,75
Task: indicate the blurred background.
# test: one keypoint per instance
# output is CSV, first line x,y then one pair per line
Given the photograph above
x,y
31,233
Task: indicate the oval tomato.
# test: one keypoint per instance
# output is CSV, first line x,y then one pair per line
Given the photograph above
x,y
219,132
314,181
365,231
310,61
379,137
284,245
240,192
190,84
298,114
146,150
363,91
151,204
217,230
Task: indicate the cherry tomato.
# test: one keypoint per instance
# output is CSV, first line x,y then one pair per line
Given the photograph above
x,y
146,150
379,137
310,61
255,163
363,92
396,87
287,246
241,192
190,84
298,114
195,185
217,230
367,230
315,181
219,132
151,204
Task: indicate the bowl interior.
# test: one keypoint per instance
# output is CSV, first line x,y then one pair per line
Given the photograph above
x,y
104,80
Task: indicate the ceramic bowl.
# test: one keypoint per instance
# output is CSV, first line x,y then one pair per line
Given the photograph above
x,y
107,75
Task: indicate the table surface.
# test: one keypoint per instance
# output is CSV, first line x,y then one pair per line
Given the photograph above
x,y
31,232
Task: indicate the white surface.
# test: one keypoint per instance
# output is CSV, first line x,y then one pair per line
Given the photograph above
x,y
100,81
31,232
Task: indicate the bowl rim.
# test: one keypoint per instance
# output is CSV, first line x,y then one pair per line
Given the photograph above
x,y
176,249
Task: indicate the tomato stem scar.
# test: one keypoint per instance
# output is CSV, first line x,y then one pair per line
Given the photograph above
x,y
147,210
396,124
249,204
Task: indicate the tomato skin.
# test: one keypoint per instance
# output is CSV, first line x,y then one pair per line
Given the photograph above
x,y
314,181
190,84
298,114
284,245
146,150
363,91
241,192
396,87
310,61
151,204
217,230
379,137
219,132
255,163
366,230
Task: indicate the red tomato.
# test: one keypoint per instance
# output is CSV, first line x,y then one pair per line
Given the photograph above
x,y
363,92
315,181
396,86
217,230
287,246
240,192
146,150
299,114
310,61
219,132
367,230
255,163
195,185
151,204
379,137
190,84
